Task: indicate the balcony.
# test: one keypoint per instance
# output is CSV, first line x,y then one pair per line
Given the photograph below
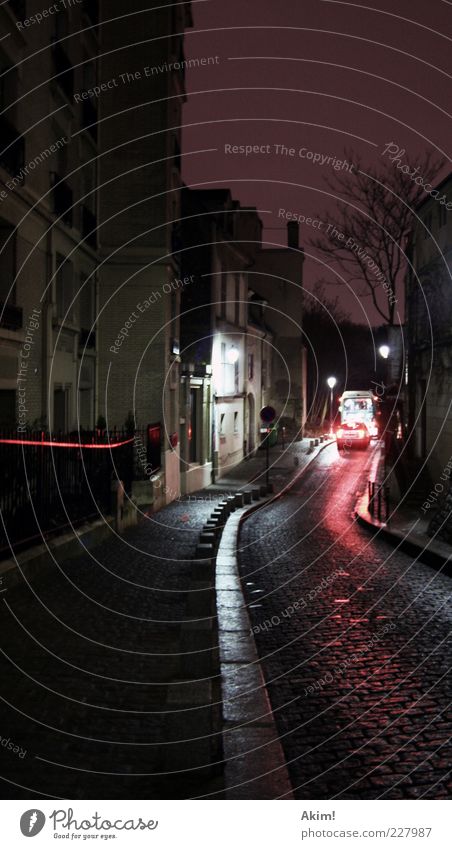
x,y
62,199
89,119
89,227
18,8
63,69
11,317
12,148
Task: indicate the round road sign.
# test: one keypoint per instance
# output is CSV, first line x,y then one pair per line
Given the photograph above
x,y
268,414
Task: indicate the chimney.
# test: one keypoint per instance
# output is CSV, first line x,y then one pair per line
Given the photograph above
x,y
292,234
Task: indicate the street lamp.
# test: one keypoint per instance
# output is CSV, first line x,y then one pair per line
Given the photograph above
x,y
384,351
233,355
331,383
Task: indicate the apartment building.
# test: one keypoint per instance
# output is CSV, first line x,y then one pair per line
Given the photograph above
x,y
48,202
428,329
235,345
141,75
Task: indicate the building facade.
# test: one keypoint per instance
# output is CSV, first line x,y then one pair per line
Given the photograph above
x,y
140,109
48,210
429,334
235,344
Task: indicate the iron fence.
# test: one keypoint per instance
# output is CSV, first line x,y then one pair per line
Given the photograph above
x,y
50,481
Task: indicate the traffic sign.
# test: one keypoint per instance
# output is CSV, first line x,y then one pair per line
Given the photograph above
x,y
268,414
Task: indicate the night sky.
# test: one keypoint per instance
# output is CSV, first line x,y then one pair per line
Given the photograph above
x,y
320,74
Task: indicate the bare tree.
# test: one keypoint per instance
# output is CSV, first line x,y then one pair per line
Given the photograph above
x,y
366,235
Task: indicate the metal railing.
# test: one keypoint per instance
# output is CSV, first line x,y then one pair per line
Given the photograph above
x,y
53,480
378,500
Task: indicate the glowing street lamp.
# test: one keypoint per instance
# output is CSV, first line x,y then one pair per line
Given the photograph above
x,y
233,355
384,351
331,383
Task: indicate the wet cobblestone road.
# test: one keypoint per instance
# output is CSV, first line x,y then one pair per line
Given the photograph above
x,y
90,654
355,641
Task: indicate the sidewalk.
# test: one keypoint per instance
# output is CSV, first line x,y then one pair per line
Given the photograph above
x,y
406,528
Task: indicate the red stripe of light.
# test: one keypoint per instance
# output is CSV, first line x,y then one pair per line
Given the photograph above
x,y
64,444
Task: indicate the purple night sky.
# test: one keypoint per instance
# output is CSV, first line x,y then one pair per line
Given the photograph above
x,y
323,75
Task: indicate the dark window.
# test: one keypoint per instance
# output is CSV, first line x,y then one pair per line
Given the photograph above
x,y
7,264
61,401
64,285
91,8
62,199
87,311
236,422
7,407
19,8
89,227
63,70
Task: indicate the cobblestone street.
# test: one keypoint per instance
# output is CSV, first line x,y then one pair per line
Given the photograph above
x,y
354,638
92,657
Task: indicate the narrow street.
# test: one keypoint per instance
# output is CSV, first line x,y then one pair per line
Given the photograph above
x,y
354,638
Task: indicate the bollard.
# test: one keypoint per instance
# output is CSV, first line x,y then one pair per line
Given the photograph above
x,y
239,499
204,551
255,495
247,497
207,537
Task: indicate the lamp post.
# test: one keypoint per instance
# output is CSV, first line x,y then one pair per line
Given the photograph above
x,y
331,383
233,355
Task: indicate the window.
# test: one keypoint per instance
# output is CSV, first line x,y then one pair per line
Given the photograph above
x,y
61,24
64,72
61,407
64,289
442,216
7,264
237,300
250,366
236,422
7,407
87,310
222,421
